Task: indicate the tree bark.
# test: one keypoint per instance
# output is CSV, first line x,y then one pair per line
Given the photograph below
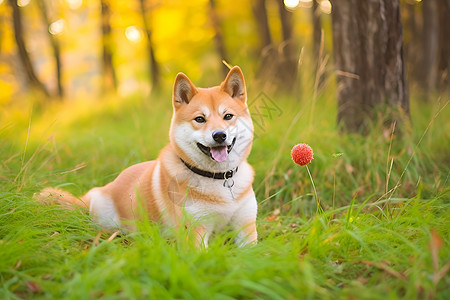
x,y
153,63
412,33
317,30
218,37
109,73
368,54
267,50
444,44
287,68
55,47
260,13
23,53
278,69
318,47
430,40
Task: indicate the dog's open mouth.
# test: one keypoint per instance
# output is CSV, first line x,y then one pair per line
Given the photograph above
x,y
219,153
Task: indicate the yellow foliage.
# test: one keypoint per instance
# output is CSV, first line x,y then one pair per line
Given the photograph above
x,y
182,33
7,90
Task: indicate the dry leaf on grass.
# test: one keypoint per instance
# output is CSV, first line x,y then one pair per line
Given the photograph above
x,y
34,287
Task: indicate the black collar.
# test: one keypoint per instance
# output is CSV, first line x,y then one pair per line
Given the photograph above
x,y
224,175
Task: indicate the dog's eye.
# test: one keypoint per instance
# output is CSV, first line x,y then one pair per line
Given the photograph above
x,y
228,117
200,120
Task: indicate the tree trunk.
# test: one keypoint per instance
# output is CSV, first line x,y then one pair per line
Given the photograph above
x,y
218,37
368,54
109,73
260,13
23,54
153,64
318,46
444,44
287,68
430,42
317,31
412,33
267,51
56,48
278,67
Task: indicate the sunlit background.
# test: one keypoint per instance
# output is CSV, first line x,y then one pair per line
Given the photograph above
x,y
145,43
182,37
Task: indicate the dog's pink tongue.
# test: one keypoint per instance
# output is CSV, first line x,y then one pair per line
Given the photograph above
x,y
219,153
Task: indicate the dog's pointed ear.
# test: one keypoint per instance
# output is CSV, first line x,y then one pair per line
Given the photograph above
x,y
234,84
183,90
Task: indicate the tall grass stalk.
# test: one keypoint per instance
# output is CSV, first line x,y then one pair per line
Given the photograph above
x,y
319,208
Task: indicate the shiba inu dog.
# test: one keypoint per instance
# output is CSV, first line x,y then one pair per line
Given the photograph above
x,y
202,171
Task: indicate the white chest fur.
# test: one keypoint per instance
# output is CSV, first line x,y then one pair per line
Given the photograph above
x,y
235,206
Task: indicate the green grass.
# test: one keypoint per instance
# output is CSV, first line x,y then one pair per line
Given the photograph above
x,y
384,231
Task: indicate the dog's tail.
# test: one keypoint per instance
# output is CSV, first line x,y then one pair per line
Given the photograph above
x,y
52,195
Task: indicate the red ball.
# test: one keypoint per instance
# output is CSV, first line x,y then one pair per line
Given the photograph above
x,y
302,154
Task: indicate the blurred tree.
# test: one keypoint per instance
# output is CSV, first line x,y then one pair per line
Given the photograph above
x,y
427,28
444,44
109,73
267,50
287,67
153,64
412,33
218,36
430,42
317,30
23,53
260,13
318,46
368,54
55,47
278,63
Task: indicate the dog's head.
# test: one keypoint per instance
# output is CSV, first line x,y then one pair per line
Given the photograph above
x,y
211,128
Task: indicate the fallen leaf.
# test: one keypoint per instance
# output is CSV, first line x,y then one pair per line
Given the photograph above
x,y
271,218
286,207
34,287
349,168
46,277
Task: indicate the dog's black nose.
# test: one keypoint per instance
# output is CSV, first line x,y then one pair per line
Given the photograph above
x,y
219,136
